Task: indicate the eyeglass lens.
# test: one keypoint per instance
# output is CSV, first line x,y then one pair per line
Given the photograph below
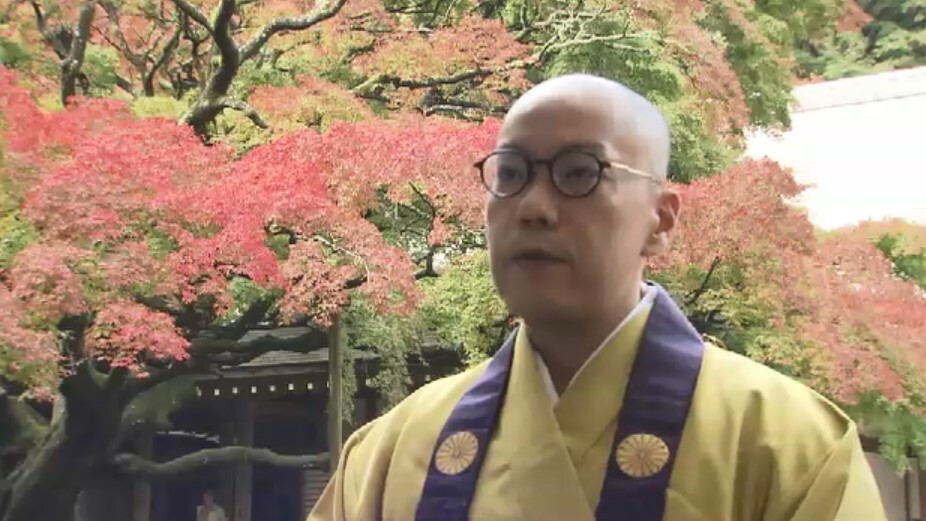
x,y
575,174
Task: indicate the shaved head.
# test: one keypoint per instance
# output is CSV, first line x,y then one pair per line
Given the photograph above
x,y
572,212
637,120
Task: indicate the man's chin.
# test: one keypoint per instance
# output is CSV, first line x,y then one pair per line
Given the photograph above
x,y
540,306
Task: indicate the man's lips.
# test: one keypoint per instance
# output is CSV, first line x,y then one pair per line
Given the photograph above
x,y
538,255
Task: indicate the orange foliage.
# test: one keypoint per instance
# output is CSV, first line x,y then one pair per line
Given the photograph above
x,y
870,322
96,182
435,154
313,103
472,44
912,234
837,295
738,214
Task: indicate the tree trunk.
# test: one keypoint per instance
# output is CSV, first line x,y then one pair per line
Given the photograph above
x,y
46,486
74,60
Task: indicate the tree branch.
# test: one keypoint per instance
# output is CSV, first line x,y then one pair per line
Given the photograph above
x,y
121,44
141,61
459,108
125,85
221,79
213,97
193,13
381,79
39,16
71,64
251,48
610,40
695,295
211,100
166,53
137,466
369,88
21,426
248,111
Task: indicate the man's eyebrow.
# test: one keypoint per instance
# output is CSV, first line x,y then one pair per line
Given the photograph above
x,y
509,146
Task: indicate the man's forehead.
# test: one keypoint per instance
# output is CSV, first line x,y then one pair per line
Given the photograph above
x,y
562,105
595,113
549,128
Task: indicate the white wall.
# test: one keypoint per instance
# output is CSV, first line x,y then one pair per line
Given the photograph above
x,y
862,142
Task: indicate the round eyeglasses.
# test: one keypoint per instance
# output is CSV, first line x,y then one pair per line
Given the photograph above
x,y
506,173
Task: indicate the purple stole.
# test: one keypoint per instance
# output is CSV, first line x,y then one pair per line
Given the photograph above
x,y
650,423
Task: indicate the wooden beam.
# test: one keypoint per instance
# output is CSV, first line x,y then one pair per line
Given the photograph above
x,y
337,343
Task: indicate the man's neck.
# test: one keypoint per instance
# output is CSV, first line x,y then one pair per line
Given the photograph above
x,y
566,345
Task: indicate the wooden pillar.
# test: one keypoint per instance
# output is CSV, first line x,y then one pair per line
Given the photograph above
x,y
921,490
337,343
244,436
225,491
141,490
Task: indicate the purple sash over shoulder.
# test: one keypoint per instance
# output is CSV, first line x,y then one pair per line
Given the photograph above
x,y
650,423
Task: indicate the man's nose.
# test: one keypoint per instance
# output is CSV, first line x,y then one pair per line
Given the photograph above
x,y
538,204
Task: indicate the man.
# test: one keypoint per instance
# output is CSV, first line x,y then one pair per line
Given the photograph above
x,y
210,510
605,404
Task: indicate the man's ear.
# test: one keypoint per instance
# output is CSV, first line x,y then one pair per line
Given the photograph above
x,y
665,217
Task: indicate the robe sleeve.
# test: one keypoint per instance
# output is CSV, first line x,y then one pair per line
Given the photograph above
x,y
841,487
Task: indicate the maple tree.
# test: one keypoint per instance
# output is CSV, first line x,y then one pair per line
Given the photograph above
x,y
140,237
816,289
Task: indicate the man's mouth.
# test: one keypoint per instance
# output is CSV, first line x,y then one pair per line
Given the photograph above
x,y
536,255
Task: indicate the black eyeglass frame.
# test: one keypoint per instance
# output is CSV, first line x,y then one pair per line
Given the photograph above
x,y
549,162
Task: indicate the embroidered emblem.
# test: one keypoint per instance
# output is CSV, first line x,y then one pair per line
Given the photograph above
x,y
456,453
641,455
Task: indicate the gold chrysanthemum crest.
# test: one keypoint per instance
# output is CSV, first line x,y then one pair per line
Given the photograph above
x,y
642,455
456,453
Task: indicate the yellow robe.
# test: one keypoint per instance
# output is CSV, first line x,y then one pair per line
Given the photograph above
x,y
757,446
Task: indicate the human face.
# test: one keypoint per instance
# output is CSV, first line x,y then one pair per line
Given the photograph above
x,y
571,258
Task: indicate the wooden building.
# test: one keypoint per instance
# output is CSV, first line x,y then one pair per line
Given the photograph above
x,y
278,401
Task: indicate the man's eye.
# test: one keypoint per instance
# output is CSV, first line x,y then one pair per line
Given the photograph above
x,y
509,174
575,173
